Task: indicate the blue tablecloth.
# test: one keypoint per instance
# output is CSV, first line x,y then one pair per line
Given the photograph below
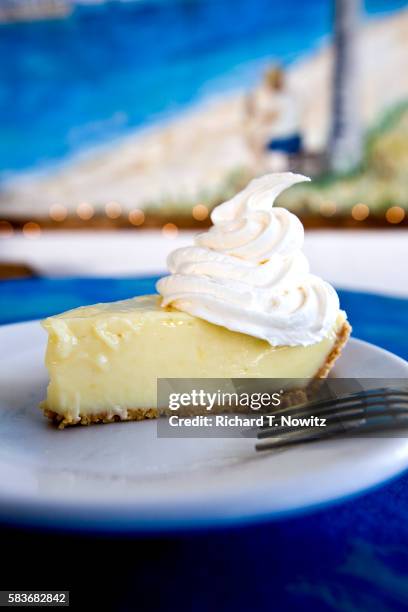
x,y
349,556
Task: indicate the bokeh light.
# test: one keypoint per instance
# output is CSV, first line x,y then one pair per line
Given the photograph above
x,y
395,214
113,210
200,212
136,216
170,230
360,212
58,212
31,230
85,211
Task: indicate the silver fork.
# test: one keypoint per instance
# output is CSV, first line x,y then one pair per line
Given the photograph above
x,y
372,411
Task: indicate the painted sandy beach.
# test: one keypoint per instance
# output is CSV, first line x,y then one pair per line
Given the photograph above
x,y
198,155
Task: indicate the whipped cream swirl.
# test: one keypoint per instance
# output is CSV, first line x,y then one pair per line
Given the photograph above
x,y
248,272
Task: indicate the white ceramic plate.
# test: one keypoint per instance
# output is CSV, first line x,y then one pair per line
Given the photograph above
x,y
122,477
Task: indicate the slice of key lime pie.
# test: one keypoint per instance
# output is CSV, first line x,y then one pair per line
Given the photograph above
x,y
240,302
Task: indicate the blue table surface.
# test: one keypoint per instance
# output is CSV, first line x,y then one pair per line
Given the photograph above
x,y
349,556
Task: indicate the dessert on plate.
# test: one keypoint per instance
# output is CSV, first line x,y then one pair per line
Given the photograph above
x,y
239,303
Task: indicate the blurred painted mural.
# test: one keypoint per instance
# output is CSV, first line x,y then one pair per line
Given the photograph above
x,y
118,113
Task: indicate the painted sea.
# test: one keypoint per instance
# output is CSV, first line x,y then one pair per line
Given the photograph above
x,y
107,69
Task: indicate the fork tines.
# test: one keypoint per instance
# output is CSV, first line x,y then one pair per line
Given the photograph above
x,y
371,411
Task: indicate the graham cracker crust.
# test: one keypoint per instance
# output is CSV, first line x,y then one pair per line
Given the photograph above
x,y
342,336
133,414
140,414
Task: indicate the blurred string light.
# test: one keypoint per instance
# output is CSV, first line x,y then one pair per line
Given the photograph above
x,y
395,214
170,230
136,217
58,212
85,211
6,229
31,230
200,212
113,210
360,212
328,209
